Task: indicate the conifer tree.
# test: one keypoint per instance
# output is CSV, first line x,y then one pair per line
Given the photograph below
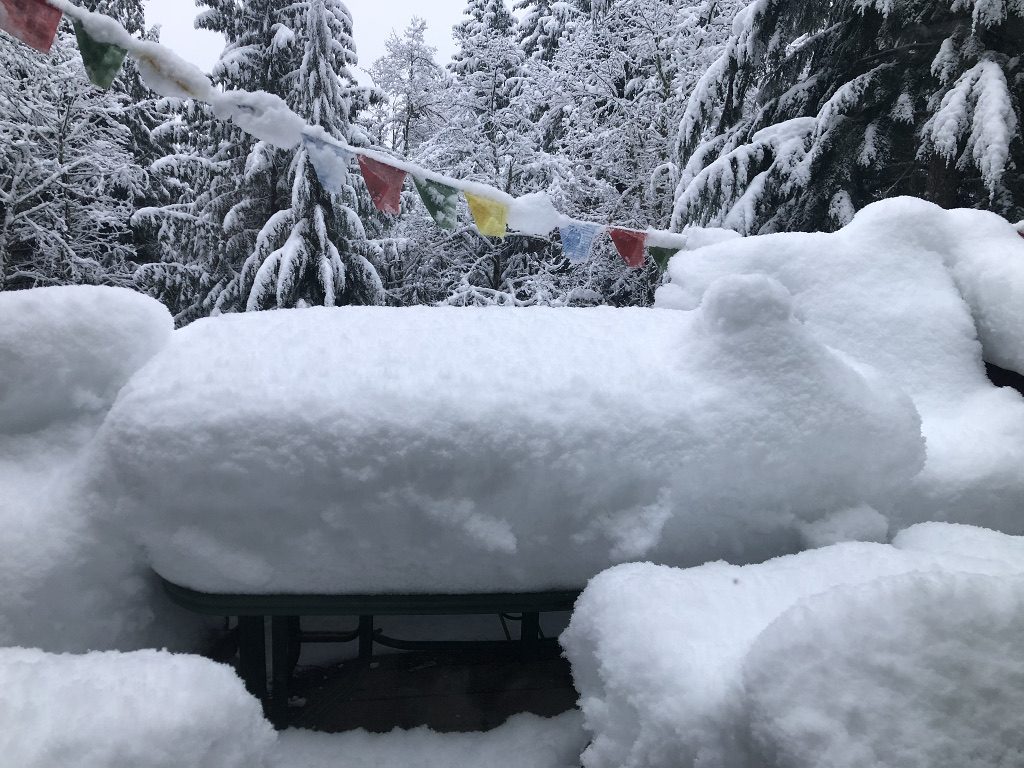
x,y
817,109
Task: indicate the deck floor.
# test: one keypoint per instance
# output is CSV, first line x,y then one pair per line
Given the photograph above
x,y
444,691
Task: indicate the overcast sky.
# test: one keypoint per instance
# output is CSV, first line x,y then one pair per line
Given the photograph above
x,y
373,19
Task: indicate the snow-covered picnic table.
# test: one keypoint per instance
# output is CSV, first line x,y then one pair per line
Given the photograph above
x,y
371,450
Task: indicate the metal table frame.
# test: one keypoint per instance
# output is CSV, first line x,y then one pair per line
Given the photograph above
x,y
286,634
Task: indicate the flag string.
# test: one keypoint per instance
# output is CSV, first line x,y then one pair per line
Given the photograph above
x,y
104,42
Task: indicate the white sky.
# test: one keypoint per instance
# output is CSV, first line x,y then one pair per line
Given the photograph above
x,y
373,20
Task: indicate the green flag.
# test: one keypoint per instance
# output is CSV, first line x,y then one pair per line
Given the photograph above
x,y
662,255
102,60
441,202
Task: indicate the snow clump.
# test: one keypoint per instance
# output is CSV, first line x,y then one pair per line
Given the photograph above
x,y
920,295
147,709
853,654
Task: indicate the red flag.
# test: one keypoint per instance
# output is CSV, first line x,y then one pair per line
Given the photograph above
x,y
32,21
630,245
384,183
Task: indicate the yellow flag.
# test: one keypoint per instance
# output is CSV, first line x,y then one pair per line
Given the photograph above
x,y
491,217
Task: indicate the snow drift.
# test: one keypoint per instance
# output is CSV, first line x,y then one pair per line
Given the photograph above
x,y
147,709
431,449
921,295
854,654
69,582
65,352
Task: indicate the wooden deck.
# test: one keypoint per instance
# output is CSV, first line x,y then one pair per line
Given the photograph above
x,y
444,691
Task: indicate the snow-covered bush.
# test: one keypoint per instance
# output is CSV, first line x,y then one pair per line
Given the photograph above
x,y
362,449
909,290
855,654
147,709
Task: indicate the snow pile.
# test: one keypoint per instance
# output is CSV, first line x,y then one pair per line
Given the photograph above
x,y
367,449
68,582
526,740
855,654
908,289
922,669
147,709
67,351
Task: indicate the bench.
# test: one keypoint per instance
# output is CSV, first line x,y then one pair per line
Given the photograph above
x,y
286,636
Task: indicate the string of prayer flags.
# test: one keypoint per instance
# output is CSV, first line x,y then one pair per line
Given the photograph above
x,y
34,22
630,245
102,60
385,184
491,216
662,255
330,161
578,240
440,200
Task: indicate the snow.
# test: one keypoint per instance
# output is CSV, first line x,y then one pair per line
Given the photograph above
x,y
919,295
758,665
147,709
65,354
68,581
921,669
525,740
435,449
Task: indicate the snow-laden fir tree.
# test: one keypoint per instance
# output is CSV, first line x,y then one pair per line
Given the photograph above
x,y
817,109
271,235
314,249
543,25
67,174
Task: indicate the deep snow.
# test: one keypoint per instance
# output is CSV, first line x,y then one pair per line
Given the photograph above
x,y
432,449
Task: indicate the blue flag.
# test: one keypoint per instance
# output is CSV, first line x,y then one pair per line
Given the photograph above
x,y
578,240
330,162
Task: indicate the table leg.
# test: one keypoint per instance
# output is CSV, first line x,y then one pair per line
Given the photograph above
x,y
252,655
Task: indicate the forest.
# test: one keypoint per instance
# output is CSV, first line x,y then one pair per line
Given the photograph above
x,y
759,117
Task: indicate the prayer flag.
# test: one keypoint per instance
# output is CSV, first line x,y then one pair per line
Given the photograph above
x,y
330,162
491,216
385,184
630,245
662,255
102,60
440,200
34,22
578,240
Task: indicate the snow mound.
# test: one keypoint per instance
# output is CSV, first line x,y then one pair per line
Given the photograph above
x,y
147,709
921,295
658,653
433,449
68,350
68,582
922,669
525,740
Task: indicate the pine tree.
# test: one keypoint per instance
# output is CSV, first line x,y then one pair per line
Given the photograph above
x,y
815,110
314,249
261,231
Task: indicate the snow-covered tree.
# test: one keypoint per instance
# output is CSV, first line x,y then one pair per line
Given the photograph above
x,y
816,109
263,232
314,249
411,81
67,175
